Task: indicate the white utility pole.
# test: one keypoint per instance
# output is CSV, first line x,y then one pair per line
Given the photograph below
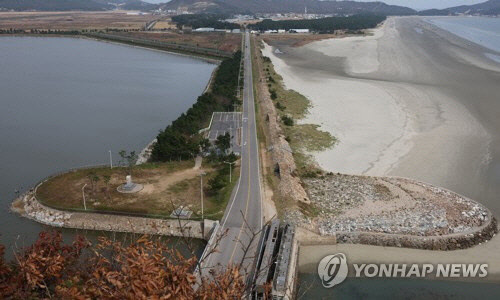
x,y
83,194
230,167
110,160
201,194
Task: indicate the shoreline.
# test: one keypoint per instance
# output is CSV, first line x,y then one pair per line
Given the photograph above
x,y
202,57
27,206
393,118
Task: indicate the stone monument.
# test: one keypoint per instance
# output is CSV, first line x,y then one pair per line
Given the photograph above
x,y
129,186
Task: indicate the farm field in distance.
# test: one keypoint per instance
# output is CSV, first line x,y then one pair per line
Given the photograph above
x,y
73,20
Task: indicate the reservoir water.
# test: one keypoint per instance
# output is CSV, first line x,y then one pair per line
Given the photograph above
x,y
66,102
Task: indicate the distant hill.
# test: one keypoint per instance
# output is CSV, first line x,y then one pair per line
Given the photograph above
x,y
216,6
63,5
488,8
288,6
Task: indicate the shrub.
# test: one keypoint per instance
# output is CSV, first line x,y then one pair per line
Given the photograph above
x,y
288,121
274,96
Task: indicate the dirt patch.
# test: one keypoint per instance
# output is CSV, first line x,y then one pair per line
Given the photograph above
x,y
167,182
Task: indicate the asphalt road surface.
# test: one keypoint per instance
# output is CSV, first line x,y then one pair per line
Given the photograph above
x,y
224,122
243,214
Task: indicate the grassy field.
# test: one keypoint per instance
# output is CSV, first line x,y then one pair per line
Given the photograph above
x,y
166,187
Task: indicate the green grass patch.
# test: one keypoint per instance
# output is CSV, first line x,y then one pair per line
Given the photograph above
x,y
216,204
290,102
309,137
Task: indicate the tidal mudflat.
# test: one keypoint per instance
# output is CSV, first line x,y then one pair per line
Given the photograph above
x,y
411,100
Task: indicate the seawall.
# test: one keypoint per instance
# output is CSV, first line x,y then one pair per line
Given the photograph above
x,y
27,206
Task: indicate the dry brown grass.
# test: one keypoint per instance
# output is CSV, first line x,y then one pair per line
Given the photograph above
x,y
165,185
73,20
229,42
165,24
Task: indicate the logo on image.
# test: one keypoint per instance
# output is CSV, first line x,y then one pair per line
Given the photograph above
x,y
332,270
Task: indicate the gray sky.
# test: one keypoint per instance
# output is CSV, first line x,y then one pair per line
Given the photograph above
x,y
416,4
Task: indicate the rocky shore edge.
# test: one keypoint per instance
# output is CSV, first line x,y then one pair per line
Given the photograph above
x,y
474,223
29,207
442,243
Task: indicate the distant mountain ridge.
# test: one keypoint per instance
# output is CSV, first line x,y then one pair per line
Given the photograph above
x,y
288,6
215,6
491,8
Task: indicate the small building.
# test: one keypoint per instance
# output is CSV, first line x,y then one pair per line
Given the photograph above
x,y
281,30
236,31
299,30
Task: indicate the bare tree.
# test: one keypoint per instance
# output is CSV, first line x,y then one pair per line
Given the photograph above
x,y
130,159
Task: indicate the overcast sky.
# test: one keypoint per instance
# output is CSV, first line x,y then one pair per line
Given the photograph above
x,y
416,4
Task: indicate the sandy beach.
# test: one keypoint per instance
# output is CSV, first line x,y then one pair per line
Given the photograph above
x,y
411,100
404,102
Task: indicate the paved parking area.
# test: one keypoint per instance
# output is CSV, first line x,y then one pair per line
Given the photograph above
x,y
223,122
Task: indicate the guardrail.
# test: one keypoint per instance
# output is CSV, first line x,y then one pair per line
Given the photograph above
x,y
162,45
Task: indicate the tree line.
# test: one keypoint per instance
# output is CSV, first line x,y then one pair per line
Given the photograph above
x,y
324,25
180,140
204,20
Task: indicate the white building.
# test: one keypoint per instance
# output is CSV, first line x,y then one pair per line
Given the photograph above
x,y
204,29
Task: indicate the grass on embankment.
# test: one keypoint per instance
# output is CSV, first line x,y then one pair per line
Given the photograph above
x,y
292,107
166,187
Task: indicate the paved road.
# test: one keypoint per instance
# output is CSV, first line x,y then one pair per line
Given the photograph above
x,y
245,202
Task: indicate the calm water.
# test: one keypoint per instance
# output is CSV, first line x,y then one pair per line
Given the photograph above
x,y
385,289
480,30
65,102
